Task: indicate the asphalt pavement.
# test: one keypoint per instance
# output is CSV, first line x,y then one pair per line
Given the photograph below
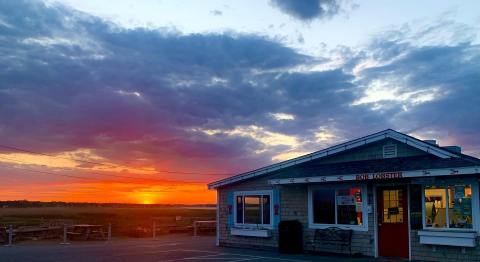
x,y
164,248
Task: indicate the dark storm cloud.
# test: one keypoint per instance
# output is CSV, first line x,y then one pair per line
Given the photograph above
x,y
73,81
308,9
446,76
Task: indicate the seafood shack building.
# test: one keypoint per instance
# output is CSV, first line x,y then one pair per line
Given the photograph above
x,y
383,195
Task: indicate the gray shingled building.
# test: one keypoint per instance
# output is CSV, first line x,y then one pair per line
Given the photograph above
x,y
383,195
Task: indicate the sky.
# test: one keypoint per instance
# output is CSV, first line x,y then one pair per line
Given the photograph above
x,y
148,101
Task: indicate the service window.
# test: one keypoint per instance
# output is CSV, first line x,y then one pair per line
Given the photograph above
x,y
343,207
253,208
448,206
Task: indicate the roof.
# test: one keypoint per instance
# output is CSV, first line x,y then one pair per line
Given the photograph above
x,y
389,133
422,162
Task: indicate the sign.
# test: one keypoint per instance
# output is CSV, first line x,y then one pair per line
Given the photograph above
x,y
345,200
393,211
379,176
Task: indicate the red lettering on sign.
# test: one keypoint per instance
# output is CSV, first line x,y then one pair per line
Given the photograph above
x,y
381,175
362,177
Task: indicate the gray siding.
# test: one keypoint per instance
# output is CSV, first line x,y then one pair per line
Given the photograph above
x,y
226,239
294,202
293,206
370,152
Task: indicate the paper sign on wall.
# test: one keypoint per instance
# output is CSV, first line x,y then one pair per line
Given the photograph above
x,y
345,200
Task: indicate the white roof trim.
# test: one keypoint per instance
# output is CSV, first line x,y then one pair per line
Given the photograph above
x,y
389,133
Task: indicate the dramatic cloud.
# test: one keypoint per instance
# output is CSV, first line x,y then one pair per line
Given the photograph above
x,y
427,81
73,84
308,9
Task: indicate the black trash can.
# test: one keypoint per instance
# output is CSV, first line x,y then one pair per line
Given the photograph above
x,y
290,237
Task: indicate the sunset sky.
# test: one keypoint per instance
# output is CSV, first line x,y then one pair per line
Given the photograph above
x,y
148,101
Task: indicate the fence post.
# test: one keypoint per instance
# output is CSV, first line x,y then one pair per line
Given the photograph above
x,y
65,240
109,236
195,225
10,236
154,229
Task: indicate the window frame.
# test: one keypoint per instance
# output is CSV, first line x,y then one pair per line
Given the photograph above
x,y
475,205
254,193
363,188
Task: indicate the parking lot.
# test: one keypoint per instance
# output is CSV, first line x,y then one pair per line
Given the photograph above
x,y
164,248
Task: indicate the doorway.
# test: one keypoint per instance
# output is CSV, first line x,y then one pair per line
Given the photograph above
x,y
392,210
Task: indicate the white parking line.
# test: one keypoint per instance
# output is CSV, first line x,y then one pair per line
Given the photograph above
x,y
230,256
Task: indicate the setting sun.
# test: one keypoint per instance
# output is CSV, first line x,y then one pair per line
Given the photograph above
x,y
146,198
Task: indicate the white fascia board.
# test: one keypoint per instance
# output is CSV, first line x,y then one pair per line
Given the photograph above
x,y
337,149
378,176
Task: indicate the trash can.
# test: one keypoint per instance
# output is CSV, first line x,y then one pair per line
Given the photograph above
x,y
290,237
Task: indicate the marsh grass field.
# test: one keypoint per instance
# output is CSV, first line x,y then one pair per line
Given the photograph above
x,y
133,221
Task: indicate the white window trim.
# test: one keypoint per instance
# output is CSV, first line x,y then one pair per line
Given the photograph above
x,y
247,193
475,208
363,227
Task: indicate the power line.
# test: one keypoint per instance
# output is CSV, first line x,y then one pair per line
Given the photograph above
x,y
87,178
49,173
110,165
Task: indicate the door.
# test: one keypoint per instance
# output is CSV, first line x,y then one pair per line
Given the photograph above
x,y
392,210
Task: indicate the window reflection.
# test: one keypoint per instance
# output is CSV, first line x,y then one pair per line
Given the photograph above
x,y
448,206
460,206
342,206
252,210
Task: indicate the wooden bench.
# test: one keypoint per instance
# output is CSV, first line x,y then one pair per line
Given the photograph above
x,y
333,236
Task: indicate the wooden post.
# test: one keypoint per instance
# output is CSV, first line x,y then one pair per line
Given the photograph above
x,y
10,236
195,225
109,236
154,229
65,240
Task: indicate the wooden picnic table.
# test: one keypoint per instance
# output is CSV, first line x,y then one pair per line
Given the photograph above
x,y
23,230
87,231
34,232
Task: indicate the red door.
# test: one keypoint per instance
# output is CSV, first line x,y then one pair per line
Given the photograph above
x,y
392,213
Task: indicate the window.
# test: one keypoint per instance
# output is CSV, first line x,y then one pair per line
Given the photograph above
x,y
253,208
416,219
392,206
448,206
343,206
